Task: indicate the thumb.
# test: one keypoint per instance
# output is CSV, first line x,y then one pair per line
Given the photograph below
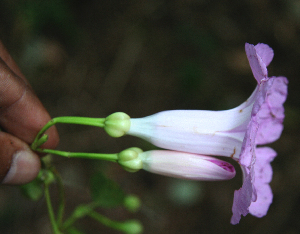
x,y
18,163
22,115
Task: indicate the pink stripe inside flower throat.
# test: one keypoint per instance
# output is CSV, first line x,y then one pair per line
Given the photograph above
x,y
225,165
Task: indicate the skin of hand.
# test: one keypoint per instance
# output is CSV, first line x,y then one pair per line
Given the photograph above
x,y
22,115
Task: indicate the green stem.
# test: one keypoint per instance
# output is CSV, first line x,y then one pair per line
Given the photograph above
x,y
97,122
61,206
106,221
50,211
102,219
73,230
80,212
69,222
107,157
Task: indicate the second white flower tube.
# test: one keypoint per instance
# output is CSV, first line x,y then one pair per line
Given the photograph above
x,y
186,165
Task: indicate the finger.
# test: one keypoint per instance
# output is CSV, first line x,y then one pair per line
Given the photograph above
x,y
18,164
10,62
21,112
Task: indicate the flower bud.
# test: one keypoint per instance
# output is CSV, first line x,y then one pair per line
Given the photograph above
x,y
186,165
132,203
129,159
117,124
131,227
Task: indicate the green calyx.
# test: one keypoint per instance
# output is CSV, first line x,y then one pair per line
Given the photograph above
x,y
129,159
117,124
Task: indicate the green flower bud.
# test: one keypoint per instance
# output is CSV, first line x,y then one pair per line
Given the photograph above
x,y
117,124
47,176
132,227
132,203
129,159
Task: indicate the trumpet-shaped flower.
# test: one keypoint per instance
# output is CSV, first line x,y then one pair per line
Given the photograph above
x,y
233,133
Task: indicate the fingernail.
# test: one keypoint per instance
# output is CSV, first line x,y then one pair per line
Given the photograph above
x,y
24,168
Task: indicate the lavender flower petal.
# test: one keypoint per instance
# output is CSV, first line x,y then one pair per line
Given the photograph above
x,y
258,67
242,200
271,113
265,52
263,176
265,126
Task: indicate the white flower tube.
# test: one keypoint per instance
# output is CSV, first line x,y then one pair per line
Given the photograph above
x,y
205,132
186,165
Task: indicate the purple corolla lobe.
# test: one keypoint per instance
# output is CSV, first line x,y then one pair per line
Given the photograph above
x,y
265,126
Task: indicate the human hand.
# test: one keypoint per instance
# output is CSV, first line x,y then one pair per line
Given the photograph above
x,y
22,115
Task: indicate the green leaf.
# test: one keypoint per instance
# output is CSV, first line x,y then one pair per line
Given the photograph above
x,y
33,190
105,192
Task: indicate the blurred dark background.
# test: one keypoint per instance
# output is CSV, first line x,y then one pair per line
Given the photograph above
x,y
92,58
